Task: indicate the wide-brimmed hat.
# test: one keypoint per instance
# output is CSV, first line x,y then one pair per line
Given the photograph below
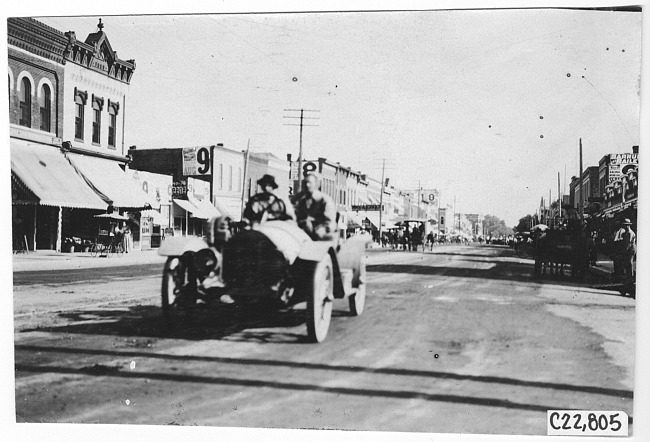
x,y
626,222
267,180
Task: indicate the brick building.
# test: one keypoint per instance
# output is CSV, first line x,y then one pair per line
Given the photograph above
x,y
70,96
45,187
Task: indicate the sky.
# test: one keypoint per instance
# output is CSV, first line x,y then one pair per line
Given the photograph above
x,y
487,106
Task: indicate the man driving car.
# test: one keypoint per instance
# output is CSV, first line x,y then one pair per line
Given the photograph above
x,y
266,204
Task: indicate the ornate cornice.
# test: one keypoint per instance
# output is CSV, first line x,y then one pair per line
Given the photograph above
x,y
97,54
37,38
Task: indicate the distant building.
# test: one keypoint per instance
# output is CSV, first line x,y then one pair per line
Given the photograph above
x,y
218,188
622,191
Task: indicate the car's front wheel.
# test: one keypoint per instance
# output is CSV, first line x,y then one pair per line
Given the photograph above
x,y
320,296
178,289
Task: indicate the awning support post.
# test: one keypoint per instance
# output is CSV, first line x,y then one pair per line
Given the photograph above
x,y
34,230
59,230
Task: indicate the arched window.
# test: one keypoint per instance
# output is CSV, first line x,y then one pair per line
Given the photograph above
x,y
46,108
26,103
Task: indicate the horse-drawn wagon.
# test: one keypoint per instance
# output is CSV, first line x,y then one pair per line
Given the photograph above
x,y
556,248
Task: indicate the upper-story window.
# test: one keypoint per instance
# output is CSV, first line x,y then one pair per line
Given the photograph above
x,y
97,124
80,98
220,176
113,108
26,103
46,108
112,122
98,104
230,178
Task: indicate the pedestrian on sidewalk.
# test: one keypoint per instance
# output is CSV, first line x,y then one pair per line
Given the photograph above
x,y
593,248
624,251
127,238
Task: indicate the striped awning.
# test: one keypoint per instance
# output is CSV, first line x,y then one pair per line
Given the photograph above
x,y
110,182
46,172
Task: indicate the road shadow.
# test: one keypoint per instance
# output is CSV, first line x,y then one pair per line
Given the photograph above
x,y
220,322
504,271
289,385
425,374
95,275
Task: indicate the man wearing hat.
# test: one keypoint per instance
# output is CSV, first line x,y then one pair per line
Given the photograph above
x,y
266,205
624,250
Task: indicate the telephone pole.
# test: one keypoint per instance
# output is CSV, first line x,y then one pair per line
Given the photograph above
x,y
243,187
581,203
381,196
301,124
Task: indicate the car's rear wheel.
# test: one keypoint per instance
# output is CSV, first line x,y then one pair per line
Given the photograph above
x,y
320,296
358,299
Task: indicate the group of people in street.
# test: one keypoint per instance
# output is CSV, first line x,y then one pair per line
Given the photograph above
x,y
405,237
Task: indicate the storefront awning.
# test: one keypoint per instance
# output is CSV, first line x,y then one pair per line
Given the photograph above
x,y
158,218
110,182
48,174
229,207
350,220
372,217
188,207
205,207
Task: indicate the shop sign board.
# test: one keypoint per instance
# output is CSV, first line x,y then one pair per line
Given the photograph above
x,y
367,207
199,188
295,171
620,164
196,161
158,187
179,189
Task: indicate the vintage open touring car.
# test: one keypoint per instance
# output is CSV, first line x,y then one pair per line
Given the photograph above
x,y
274,262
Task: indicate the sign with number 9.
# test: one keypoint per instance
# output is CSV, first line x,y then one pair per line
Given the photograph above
x,y
203,158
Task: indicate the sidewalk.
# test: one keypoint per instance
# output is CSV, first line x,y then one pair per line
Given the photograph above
x,y
48,260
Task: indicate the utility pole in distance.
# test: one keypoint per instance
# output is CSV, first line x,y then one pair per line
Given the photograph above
x,y
381,197
301,117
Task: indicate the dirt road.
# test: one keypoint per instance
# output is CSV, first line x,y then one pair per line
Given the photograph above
x,y
459,340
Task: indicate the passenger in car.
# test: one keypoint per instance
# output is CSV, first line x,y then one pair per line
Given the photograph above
x,y
315,211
